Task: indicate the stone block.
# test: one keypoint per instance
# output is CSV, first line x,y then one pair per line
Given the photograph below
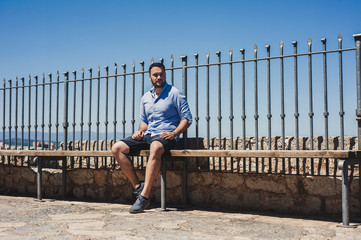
x,y
322,186
81,177
100,178
269,183
78,192
29,175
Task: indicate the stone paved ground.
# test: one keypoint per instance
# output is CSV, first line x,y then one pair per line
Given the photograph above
x,y
23,218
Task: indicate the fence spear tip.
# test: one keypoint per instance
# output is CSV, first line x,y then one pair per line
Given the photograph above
x,y
281,44
339,37
309,41
255,47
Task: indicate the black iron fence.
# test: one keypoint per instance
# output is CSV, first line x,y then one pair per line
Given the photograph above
x,y
242,99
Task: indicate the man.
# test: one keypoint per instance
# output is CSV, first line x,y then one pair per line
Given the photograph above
x,y
164,115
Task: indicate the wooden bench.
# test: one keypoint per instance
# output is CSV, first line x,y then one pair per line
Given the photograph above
x,y
345,157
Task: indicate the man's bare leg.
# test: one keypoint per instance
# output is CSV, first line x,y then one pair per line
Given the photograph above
x,y
153,167
119,150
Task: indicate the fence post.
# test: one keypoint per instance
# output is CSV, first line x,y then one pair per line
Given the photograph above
x,y
65,130
184,90
358,82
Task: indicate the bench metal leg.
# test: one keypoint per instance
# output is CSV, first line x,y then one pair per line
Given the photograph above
x,y
163,184
39,177
343,165
64,178
184,183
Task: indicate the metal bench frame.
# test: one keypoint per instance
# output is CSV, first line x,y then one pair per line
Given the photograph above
x,y
346,158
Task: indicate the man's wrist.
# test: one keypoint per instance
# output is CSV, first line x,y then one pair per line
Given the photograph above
x,y
175,134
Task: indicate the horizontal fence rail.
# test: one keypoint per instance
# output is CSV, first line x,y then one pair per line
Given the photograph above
x,y
289,101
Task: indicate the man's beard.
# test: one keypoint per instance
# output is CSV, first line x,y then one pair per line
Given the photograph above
x,y
159,86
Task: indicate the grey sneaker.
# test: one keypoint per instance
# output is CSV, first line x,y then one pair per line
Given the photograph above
x,y
139,190
140,204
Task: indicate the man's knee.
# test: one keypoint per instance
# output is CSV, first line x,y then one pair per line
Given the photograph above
x,y
120,147
156,148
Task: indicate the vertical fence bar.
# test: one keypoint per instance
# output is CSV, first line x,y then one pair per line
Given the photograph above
x,y
219,117
256,116
50,101
197,115
208,117
106,111
282,106
36,113
269,115
296,103
231,117
74,123
311,114
22,115
98,116
142,83
184,90
357,38
90,113
115,108
325,113
81,117
16,114
65,129
124,99
3,127
29,113
43,114
133,98
115,102
342,113
10,113
142,93
172,69
4,115
243,106
57,111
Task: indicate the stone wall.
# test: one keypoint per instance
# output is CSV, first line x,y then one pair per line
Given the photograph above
x,y
315,195
286,193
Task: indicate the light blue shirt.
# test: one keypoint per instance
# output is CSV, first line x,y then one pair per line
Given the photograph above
x,y
163,114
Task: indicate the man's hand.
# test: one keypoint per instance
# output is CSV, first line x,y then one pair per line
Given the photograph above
x,y
168,135
138,135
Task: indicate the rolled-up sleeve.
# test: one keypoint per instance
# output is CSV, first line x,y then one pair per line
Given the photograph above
x,y
143,116
183,108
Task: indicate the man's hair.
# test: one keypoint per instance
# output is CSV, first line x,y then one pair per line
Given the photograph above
x,y
156,64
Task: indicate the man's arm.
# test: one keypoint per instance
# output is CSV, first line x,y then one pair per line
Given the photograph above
x,y
183,125
140,133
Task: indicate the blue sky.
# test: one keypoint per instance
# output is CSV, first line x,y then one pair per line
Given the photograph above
x,y
46,36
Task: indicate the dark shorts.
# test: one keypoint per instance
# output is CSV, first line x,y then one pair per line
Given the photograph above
x,y
144,143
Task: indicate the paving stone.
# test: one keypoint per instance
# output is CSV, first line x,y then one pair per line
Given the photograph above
x,y
23,218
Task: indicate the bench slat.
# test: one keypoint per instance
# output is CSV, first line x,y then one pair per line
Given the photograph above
x,y
339,154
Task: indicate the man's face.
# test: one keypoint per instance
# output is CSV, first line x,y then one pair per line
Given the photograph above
x,y
157,76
